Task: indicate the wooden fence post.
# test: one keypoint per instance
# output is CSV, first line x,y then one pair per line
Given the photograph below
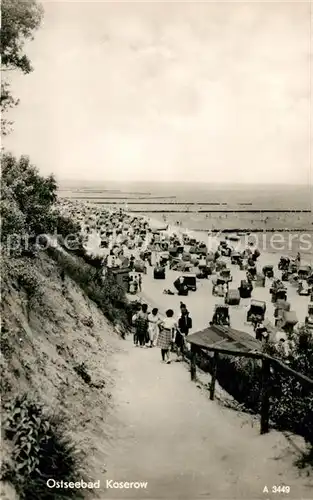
x,y
265,400
214,373
193,366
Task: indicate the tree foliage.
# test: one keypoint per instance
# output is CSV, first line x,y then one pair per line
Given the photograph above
x,y
20,18
27,198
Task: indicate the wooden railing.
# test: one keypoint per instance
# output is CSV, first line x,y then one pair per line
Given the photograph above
x,y
267,363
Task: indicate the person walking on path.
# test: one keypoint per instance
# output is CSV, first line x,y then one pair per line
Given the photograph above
x,y
182,306
131,285
131,262
153,328
166,337
184,326
134,319
141,324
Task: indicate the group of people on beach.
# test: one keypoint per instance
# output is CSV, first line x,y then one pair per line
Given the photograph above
x,y
169,333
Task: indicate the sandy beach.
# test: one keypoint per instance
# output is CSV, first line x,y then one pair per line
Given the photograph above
x,y
201,303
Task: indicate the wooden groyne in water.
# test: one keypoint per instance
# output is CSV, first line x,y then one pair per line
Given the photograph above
x,y
220,211
223,210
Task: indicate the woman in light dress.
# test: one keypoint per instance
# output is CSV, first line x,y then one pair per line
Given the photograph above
x,y
166,337
131,286
153,328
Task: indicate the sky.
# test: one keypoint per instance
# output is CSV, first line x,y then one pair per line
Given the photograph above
x,y
152,91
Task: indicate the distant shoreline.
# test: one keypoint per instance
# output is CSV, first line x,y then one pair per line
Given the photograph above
x,y
230,210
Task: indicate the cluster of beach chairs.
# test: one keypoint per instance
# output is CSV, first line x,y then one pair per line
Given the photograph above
x,y
130,244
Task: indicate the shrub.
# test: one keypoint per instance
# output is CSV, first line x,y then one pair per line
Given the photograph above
x,y
291,403
23,274
41,451
13,219
107,294
32,194
69,234
29,282
27,205
66,226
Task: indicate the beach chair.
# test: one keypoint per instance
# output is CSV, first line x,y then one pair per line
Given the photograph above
x,y
268,271
190,281
259,280
221,315
232,297
245,289
256,312
289,321
159,273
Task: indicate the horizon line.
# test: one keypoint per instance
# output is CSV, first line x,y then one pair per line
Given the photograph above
x,y
227,183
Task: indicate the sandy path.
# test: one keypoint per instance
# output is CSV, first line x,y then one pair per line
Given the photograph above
x,y
184,445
